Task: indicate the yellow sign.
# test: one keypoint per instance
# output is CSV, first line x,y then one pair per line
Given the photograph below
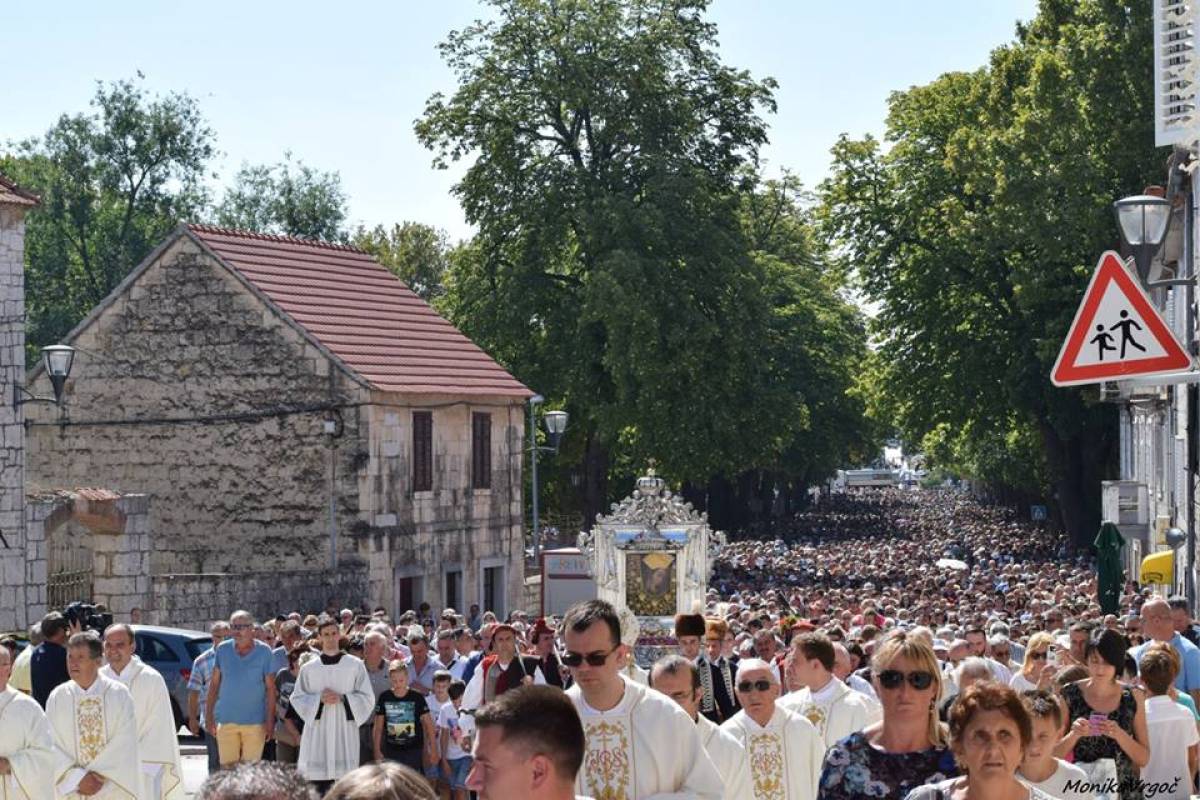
x,y
1158,568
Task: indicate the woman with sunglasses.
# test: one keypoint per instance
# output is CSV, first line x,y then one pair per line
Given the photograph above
x,y
909,747
1037,672
1108,721
990,730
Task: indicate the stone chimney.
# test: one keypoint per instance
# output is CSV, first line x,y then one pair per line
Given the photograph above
x,y
14,202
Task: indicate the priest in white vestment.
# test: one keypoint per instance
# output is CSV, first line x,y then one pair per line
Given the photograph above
x,y
831,706
95,729
638,743
333,696
158,742
783,751
679,679
27,755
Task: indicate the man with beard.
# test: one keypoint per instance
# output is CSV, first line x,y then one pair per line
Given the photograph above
x,y
504,669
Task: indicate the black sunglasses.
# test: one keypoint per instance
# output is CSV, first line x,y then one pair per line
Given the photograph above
x,y
1038,656
892,678
593,659
760,685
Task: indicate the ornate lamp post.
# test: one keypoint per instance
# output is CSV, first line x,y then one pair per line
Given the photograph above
x,y
556,426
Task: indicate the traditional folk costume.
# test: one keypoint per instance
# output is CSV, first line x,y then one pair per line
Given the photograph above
x,y
493,679
717,678
329,743
728,756
28,746
95,730
158,744
835,710
783,758
645,747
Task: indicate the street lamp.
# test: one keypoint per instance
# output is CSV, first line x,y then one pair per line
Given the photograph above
x,y
556,426
1143,220
57,359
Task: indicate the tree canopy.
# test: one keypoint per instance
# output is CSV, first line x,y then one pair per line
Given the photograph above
x,y
288,198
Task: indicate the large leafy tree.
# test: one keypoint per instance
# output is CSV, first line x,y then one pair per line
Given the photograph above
x,y
418,254
113,182
289,198
610,269
975,229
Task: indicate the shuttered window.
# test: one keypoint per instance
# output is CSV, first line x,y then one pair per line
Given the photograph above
x,y
422,451
481,451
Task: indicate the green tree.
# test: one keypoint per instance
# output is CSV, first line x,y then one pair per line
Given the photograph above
x,y
975,230
288,198
417,254
610,269
113,183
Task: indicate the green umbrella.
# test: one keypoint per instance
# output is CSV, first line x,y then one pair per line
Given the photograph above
x,y
1108,563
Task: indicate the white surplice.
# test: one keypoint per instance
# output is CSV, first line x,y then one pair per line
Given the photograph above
x,y
835,710
158,742
28,745
783,757
329,742
95,730
645,747
728,756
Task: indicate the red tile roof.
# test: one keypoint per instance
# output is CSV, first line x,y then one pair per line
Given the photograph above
x,y
363,314
12,194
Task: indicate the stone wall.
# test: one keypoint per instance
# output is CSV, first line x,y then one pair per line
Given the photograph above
x,y
14,580
195,601
189,388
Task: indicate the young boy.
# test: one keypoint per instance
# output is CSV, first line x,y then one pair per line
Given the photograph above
x,y
454,731
403,729
1172,729
1040,768
438,696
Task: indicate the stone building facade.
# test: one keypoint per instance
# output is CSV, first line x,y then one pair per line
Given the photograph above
x,y
302,424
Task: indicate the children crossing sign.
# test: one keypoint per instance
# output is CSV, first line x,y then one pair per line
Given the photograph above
x,y
1117,332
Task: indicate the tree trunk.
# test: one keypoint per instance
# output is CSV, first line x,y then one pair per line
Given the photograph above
x,y
595,479
1065,458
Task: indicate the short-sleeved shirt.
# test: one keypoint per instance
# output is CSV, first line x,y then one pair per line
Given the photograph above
x,y
423,676
1172,730
461,726
202,670
1188,679
242,697
402,731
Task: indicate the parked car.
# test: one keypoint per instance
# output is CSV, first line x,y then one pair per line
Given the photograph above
x,y
172,651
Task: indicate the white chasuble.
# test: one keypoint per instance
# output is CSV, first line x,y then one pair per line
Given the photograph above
x,y
329,742
728,756
28,746
645,747
158,743
783,757
835,710
95,730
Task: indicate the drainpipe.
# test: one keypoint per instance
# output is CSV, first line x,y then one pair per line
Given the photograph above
x,y
1193,392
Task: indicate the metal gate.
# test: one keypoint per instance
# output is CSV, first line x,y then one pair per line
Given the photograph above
x,y
69,569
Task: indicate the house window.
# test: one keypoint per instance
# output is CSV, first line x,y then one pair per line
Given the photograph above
x,y
493,590
422,451
454,588
481,451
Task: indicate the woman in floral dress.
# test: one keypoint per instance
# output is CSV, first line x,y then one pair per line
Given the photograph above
x,y
910,746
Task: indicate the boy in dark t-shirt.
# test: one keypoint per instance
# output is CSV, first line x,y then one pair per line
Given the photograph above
x,y
403,729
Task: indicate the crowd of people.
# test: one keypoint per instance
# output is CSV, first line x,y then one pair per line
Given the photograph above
x,y
890,645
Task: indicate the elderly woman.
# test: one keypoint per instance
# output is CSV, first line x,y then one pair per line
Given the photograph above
x,y
383,781
969,672
990,729
1037,672
1108,720
909,747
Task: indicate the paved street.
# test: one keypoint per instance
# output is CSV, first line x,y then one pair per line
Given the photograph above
x,y
195,763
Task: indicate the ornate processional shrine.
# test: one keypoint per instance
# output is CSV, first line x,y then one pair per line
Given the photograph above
x,y
652,555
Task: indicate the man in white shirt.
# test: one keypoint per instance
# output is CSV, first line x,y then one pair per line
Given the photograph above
x,y
447,657
783,750
502,670
978,644
637,742
679,679
158,744
831,706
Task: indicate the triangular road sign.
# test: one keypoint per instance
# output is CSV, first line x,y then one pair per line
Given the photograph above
x,y
1117,332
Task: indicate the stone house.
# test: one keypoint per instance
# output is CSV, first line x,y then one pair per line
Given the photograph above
x,y
307,429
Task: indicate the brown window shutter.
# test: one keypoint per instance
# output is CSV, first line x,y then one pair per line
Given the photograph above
x,y
481,450
422,451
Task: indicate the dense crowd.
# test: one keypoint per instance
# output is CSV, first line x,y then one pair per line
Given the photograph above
x,y
887,645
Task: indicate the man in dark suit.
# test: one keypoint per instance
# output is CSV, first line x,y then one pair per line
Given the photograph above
x,y
48,664
718,675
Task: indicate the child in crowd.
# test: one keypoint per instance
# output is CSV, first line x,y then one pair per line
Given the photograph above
x,y
1040,768
1172,729
438,697
403,729
454,732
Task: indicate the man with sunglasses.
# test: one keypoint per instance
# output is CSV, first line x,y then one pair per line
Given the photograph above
x,y
638,742
783,750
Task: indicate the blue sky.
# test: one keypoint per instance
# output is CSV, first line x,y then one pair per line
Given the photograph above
x,y
341,90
